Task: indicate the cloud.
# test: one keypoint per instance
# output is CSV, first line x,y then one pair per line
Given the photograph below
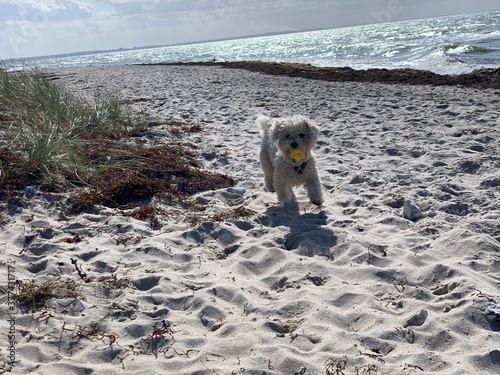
x,y
131,7
34,10
24,21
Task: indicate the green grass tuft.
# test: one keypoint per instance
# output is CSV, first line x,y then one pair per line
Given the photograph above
x,y
56,140
47,125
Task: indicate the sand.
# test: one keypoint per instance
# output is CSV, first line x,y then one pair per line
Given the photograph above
x,y
351,287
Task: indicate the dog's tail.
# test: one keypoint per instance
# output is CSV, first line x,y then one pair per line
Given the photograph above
x,y
264,123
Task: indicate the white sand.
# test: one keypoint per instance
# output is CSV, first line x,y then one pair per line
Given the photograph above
x,y
349,288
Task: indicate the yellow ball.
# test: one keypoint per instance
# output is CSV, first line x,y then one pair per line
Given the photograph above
x,y
297,154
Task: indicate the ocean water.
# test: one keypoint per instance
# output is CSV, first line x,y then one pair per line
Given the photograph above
x,y
445,45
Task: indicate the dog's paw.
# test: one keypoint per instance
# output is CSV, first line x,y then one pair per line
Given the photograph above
x,y
286,196
270,189
269,184
315,196
317,202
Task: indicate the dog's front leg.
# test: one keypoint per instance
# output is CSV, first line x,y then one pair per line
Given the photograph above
x,y
285,195
314,192
284,191
269,181
268,169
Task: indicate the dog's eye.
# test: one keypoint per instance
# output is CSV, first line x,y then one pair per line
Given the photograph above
x,y
287,136
302,135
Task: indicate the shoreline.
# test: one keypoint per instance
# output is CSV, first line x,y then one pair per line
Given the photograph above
x,y
481,78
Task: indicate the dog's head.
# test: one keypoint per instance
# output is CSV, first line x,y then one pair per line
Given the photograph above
x,y
295,133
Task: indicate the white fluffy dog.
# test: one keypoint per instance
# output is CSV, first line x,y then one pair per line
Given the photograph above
x,y
287,159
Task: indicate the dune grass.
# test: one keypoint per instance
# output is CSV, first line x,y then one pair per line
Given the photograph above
x,y
47,124
56,141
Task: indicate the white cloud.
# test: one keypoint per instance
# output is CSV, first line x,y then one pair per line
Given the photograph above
x,y
33,10
24,22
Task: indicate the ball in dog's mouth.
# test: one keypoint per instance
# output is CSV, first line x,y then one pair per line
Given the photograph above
x,y
297,154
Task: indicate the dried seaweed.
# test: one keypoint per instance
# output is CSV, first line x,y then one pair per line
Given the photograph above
x,y
135,174
32,295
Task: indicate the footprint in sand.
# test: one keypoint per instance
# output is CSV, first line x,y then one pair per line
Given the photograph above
x,y
444,289
418,319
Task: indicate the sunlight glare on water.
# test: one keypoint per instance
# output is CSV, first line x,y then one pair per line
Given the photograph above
x,y
446,45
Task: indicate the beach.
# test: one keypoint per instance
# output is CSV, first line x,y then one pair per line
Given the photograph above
x,y
351,287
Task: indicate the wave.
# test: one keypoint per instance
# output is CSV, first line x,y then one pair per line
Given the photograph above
x,y
460,48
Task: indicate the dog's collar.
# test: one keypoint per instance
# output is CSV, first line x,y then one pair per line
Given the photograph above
x,y
300,168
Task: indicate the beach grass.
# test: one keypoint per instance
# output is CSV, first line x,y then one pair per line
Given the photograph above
x,y
48,124
58,141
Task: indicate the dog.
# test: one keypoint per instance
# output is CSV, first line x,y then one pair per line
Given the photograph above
x,y
287,159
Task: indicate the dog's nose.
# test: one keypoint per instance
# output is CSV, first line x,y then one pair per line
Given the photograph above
x,y
294,145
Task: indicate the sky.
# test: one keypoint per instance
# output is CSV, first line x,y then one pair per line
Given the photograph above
x,y
47,27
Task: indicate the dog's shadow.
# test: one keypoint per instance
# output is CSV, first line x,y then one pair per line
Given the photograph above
x,y
307,236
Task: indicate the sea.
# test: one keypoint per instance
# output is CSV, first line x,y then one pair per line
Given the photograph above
x,y
444,45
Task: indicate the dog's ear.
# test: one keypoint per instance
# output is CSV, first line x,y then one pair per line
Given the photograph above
x,y
311,128
276,131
